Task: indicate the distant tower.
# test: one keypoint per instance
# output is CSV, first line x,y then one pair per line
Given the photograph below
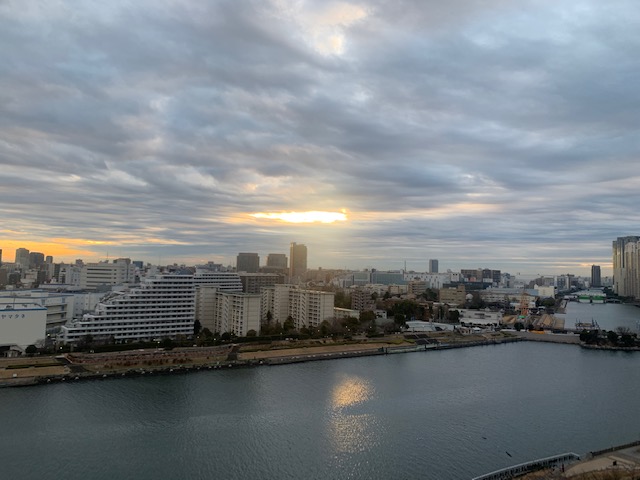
x,y
297,261
433,266
247,262
22,257
277,260
596,280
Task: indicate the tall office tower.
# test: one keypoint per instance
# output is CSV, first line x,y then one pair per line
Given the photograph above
x,y
36,259
22,257
48,259
277,260
433,266
0,257
596,280
626,266
247,262
298,261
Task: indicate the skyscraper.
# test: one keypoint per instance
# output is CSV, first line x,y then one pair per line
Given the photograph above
x,y
277,260
298,261
596,280
247,262
626,270
433,266
22,257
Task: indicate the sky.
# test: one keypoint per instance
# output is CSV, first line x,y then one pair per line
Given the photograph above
x,y
482,133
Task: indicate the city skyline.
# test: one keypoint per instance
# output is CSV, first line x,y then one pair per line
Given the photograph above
x,y
479,134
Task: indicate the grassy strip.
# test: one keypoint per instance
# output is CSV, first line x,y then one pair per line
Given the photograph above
x,y
30,365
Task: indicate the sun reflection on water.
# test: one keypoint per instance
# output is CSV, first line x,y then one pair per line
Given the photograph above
x,y
351,431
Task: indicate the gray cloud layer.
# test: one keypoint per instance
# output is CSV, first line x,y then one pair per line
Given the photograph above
x,y
166,120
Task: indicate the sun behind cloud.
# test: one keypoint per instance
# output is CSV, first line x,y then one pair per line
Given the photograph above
x,y
303,217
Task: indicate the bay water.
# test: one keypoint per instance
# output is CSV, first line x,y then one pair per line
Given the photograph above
x,y
450,414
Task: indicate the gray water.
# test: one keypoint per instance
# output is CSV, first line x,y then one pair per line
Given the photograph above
x,y
448,414
608,315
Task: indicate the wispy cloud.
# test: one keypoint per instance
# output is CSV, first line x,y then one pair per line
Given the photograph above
x,y
480,133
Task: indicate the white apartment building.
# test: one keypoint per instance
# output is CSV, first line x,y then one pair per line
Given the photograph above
x,y
162,306
94,275
224,281
308,308
232,312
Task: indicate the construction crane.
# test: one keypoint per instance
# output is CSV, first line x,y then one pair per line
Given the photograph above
x,y
524,304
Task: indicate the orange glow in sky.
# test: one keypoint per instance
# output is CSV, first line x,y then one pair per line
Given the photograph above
x,y
56,247
304,217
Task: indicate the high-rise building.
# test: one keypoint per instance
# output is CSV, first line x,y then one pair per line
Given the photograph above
x,y
626,266
0,257
247,262
36,259
433,266
22,257
298,261
596,280
277,260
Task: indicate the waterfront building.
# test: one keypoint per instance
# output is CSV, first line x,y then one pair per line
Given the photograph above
x,y
308,308
59,306
233,312
596,279
298,259
626,266
21,324
162,306
247,262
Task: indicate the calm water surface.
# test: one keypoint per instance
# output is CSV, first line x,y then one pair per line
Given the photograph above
x,y
436,415
608,315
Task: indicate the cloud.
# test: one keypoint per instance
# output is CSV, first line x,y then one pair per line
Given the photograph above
x,y
479,133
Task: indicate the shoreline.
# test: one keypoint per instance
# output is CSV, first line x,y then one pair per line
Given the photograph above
x,y
78,372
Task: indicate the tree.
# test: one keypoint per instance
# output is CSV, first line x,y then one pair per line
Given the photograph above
x,y
252,333
612,337
288,324
325,328
167,344
454,316
197,326
367,316
269,317
399,319
518,326
31,350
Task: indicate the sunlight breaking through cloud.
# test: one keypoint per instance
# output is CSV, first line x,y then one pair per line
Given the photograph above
x,y
304,217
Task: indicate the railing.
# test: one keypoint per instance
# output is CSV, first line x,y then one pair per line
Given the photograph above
x,y
522,468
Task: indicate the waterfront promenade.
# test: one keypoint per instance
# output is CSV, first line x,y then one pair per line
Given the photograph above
x,y
25,371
